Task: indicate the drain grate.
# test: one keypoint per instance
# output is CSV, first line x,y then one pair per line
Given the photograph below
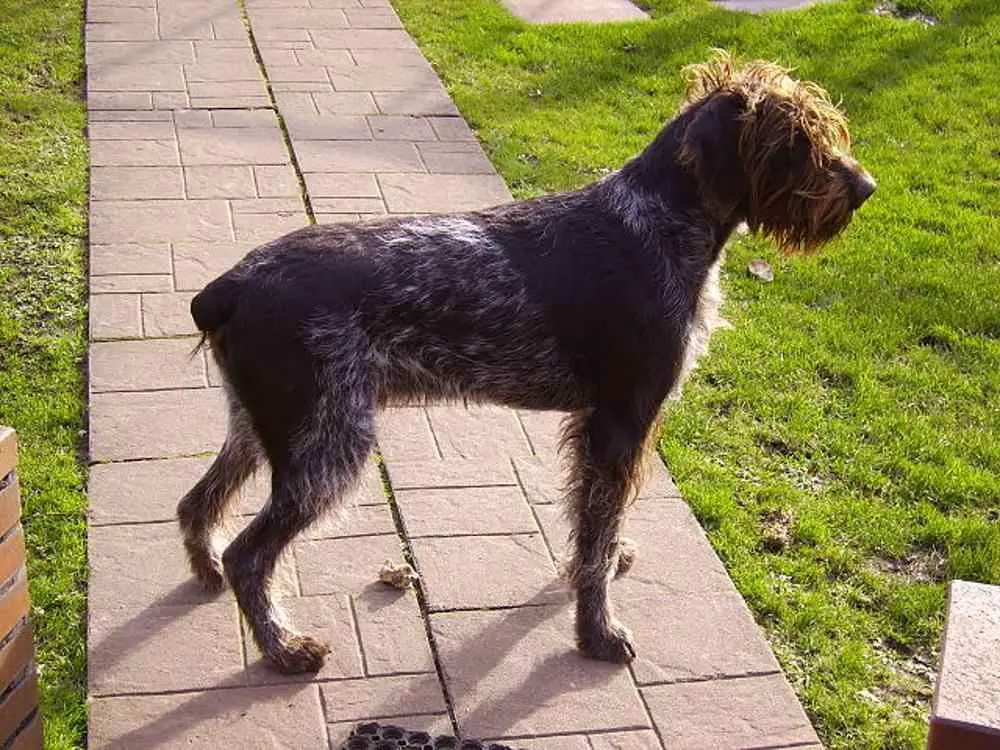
x,y
375,736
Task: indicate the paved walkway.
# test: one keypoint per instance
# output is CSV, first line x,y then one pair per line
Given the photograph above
x,y
191,170
764,6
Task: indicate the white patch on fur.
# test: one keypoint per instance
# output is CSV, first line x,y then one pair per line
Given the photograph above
x,y
446,227
704,322
631,204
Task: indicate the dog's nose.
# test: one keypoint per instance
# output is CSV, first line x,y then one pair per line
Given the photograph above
x,y
864,186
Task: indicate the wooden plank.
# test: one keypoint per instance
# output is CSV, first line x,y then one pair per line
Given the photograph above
x,y
8,451
18,705
14,605
15,655
30,737
12,552
10,506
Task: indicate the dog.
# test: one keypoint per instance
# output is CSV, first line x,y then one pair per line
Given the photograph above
x,y
595,302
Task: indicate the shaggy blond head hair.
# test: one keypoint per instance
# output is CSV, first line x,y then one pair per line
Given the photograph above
x,y
800,203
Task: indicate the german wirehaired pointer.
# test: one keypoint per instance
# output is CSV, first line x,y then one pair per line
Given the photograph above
x,y
595,303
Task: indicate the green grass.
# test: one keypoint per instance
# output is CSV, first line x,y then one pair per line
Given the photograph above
x,y
43,188
839,443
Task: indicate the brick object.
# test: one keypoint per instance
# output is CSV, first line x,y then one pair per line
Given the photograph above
x,y
966,713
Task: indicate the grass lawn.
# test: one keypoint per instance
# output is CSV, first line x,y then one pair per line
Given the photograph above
x,y
43,188
840,442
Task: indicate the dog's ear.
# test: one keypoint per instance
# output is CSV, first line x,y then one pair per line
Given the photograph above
x,y
711,148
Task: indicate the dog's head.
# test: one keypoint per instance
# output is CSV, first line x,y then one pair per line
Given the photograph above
x,y
773,149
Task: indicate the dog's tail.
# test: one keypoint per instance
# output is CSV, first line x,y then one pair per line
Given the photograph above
x,y
213,306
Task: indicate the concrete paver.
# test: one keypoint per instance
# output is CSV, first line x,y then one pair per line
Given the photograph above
x,y
147,491
358,561
155,424
289,717
115,316
511,674
358,700
496,471
486,571
574,11
466,511
145,365
478,433
747,712
392,632
965,710
190,171
122,283
160,649
168,314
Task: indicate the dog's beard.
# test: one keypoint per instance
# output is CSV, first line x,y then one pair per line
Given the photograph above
x,y
801,218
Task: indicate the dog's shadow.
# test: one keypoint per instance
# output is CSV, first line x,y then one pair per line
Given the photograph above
x,y
505,671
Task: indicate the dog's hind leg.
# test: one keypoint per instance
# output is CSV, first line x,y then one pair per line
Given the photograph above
x,y
317,467
204,509
605,448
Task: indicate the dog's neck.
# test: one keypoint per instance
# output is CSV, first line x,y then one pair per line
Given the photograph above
x,y
660,171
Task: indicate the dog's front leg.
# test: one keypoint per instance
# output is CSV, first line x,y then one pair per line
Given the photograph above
x,y
605,453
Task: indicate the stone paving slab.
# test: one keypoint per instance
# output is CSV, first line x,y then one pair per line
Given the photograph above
x,y
191,170
289,717
747,712
511,674
487,571
147,491
574,11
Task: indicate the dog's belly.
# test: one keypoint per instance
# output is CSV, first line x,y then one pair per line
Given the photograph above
x,y
531,375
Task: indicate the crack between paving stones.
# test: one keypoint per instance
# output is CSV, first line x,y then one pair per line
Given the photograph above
x,y
109,461
498,607
357,635
285,135
587,733
709,678
279,681
645,707
425,611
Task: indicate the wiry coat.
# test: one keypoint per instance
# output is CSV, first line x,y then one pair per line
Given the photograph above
x,y
594,302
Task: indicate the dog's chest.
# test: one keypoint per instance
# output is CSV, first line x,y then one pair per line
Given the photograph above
x,y
704,320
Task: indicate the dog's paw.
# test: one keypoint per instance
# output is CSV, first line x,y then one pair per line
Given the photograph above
x,y
207,568
300,654
627,551
211,578
614,645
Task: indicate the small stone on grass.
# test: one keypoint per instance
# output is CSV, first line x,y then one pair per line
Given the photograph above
x,y
761,269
